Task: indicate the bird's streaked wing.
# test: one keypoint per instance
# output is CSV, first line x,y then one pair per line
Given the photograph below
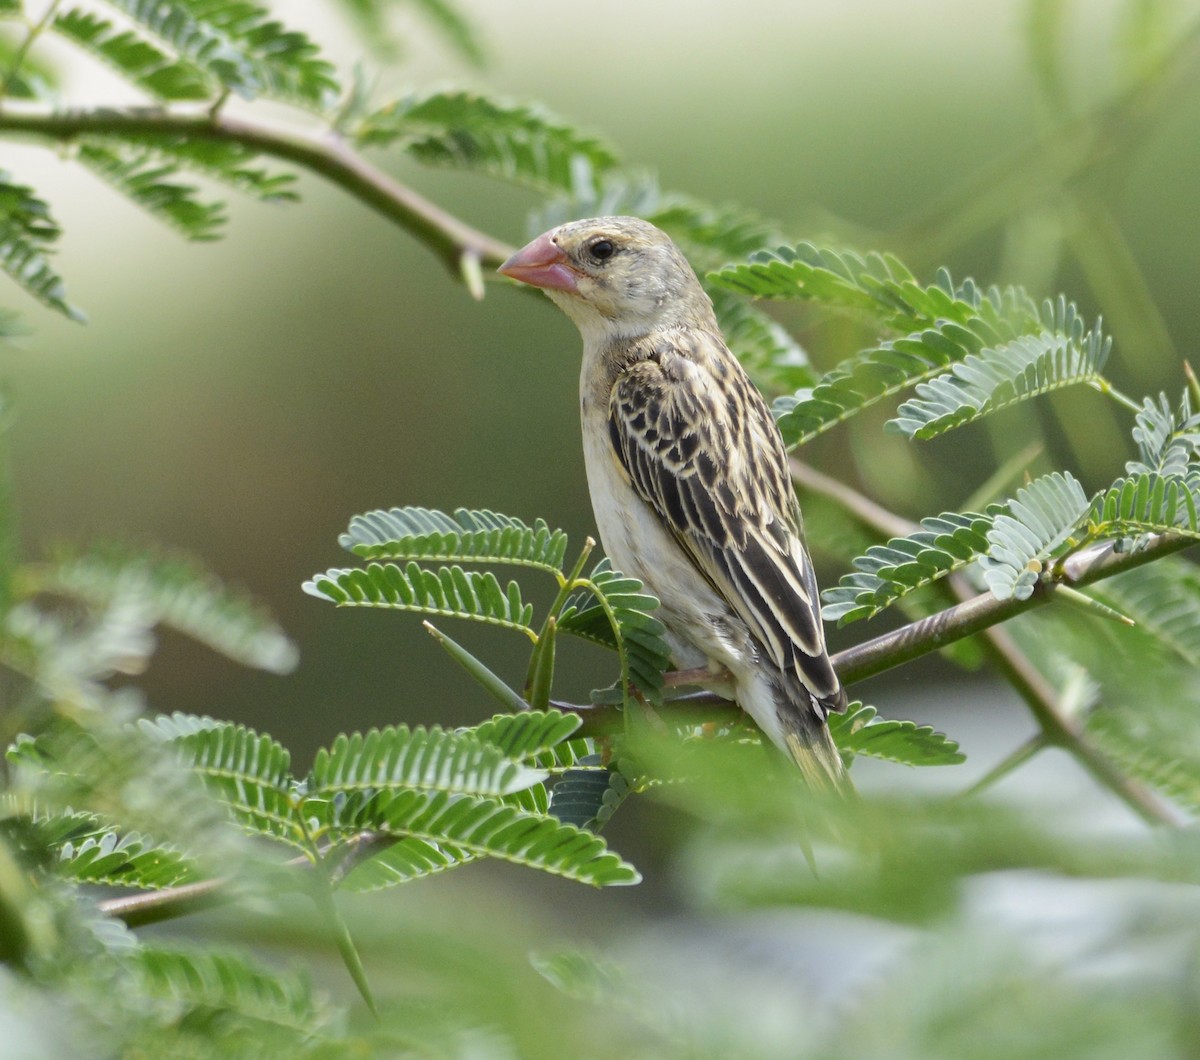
x,y
700,447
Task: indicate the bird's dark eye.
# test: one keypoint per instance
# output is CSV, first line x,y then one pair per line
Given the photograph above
x,y
602,250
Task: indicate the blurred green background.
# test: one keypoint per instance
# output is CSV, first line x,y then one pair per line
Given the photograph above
x,y
241,400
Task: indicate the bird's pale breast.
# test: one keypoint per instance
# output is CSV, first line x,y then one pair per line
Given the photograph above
x,y
699,622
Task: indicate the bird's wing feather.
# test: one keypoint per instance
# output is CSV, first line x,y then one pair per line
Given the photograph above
x,y
700,447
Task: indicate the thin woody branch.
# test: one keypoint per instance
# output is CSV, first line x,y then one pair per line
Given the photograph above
x,y
452,239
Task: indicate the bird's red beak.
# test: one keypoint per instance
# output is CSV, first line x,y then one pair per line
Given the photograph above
x,y
541,264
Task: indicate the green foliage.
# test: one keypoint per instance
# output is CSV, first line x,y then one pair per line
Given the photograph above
x,y
93,797
484,827
424,759
1163,598
102,856
449,591
134,57
1041,517
613,611
884,573
995,378
1146,503
147,181
257,1005
239,47
169,590
247,771
27,235
510,141
466,537
588,796
1166,441
859,731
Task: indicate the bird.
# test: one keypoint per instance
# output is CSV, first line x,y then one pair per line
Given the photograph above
x,y
689,480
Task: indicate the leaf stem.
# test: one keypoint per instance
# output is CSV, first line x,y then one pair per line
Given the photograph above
x,y
1108,390
35,31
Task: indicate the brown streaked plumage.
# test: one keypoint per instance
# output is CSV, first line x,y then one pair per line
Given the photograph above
x,y
689,479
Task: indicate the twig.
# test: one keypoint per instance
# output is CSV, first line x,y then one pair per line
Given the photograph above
x,y
330,157
978,614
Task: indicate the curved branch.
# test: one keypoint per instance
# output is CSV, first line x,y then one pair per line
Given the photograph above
x,y
329,156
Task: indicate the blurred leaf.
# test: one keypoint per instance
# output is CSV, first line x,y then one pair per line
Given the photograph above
x,y
520,143
27,235
1163,598
256,1005
587,797
457,30
134,57
247,771
172,590
144,178
237,43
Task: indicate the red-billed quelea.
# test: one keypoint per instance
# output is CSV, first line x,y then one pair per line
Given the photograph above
x,y
689,478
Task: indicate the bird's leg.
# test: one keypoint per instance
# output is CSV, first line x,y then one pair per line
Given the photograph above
x,y
697,675
651,716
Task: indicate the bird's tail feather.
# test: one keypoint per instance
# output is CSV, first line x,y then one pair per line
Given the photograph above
x,y
806,736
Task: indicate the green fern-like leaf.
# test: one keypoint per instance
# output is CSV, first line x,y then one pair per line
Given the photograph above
x,y
248,772
590,794
229,163
487,828
465,537
1000,376
147,180
617,614
432,759
878,284
527,734
1167,441
980,321
27,236
450,591
860,731
512,141
403,861
1147,503
26,76
1168,771
173,591
1163,598
134,57
277,1008
945,543
104,856
237,43
1041,517
444,17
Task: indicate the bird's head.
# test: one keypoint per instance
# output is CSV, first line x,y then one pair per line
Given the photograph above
x,y
615,277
